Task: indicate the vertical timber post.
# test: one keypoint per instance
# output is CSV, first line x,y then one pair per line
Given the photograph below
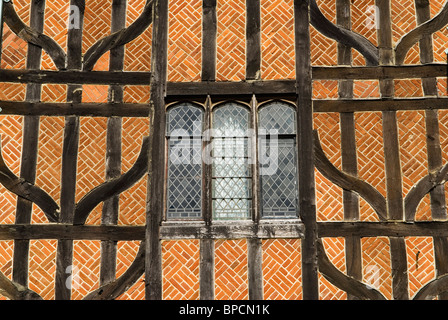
x,y
307,202
156,176
348,148
113,150
30,147
64,258
207,246
392,155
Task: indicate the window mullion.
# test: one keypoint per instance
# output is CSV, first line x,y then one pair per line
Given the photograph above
x,y
207,172
254,164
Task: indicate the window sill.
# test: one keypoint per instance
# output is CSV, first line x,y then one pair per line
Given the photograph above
x,y
237,229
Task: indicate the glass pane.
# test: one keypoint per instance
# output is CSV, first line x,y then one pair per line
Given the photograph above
x,y
278,176
184,185
184,118
230,170
278,116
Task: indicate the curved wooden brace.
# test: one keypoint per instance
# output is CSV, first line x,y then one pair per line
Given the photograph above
x,y
433,289
120,285
15,291
342,281
347,37
113,187
425,29
420,189
118,38
28,191
348,182
28,34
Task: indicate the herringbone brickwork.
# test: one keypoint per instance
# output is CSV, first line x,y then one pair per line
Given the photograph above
x,y
282,275
184,44
277,39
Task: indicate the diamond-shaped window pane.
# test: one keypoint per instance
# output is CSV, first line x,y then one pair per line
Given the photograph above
x,y
184,185
278,181
184,119
230,169
278,116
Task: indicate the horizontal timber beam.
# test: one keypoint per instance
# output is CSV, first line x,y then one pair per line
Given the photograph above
x,y
74,109
224,230
382,229
364,105
233,230
66,231
217,87
142,110
75,77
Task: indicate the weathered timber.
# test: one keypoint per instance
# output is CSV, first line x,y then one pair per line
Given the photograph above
x,y
423,30
254,269
437,194
382,229
207,246
64,255
16,291
392,165
344,282
206,269
75,77
209,31
349,182
33,36
266,229
253,40
74,109
118,38
71,232
112,187
141,110
306,183
110,210
420,189
29,149
342,35
117,287
156,177
28,191
432,289
350,199
395,210
222,88
364,105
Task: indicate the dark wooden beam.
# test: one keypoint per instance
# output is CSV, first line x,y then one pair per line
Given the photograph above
x,y
29,148
249,87
209,30
75,77
70,232
25,108
306,183
275,229
156,166
110,209
64,255
253,40
382,229
386,104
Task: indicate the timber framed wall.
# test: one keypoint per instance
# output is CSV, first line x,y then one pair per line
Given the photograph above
x,y
83,122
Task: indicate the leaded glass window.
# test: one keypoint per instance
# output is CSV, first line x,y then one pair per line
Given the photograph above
x,y
278,181
184,183
231,173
